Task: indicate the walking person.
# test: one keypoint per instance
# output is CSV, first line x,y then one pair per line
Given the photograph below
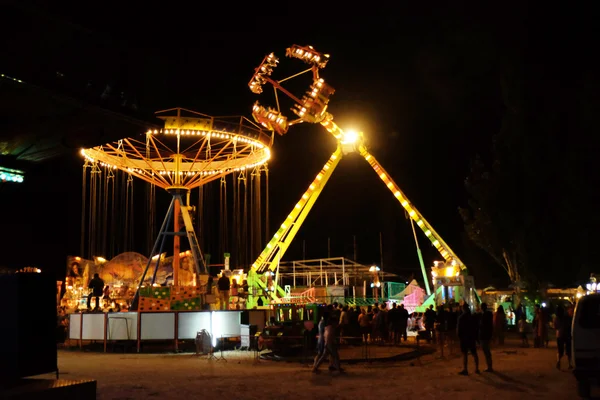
x,y
330,348
467,336
486,330
562,324
321,339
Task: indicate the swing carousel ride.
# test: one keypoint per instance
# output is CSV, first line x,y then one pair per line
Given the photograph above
x,y
190,151
450,276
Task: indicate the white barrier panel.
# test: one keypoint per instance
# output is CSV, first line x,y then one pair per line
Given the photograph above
x,y
190,323
122,326
225,324
74,326
93,327
158,326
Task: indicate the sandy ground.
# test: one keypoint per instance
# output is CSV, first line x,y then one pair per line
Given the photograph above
x,y
522,374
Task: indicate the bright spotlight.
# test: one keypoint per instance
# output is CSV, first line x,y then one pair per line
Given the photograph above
x,y
349,137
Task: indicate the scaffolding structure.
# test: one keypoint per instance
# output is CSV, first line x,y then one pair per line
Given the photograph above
x,y
324,272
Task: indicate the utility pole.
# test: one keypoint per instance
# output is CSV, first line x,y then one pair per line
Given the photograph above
x,y
303,250
380,252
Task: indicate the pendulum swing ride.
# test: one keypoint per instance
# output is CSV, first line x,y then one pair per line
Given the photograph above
x,y
312,108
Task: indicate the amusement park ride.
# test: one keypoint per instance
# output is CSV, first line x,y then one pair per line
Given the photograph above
x,y
312,108
193,149
190,151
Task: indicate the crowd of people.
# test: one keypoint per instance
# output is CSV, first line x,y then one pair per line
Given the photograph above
x,y
452,326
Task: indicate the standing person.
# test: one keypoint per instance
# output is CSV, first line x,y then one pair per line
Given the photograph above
x,y
365,325
430,322
562,324
499,324
486,331
535,326
344,322
403,314
224,285
440,328
384,322
522,325
467,336
97,286
394,323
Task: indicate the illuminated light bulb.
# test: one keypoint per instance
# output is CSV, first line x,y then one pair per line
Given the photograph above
x,y
436,243
412,213
397,194
382,175
390,185
427,233
405,203
420,223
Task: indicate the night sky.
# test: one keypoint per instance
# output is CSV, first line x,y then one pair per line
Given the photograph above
x,y
422,83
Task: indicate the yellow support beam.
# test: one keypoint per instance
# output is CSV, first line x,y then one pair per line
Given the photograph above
x,y
278,245
412,211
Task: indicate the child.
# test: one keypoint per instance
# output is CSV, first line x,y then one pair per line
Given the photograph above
x,y
523,331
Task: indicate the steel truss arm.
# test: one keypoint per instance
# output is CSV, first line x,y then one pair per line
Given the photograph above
x,y
276,248
414,214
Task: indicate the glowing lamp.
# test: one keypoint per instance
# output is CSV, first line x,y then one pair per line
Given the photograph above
x,y
350,137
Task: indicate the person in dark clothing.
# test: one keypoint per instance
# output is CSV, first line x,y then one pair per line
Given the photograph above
x,y
451,321
430,322
440,328
97,286
394,321
224,285
403,315
467,335
486,331
562,324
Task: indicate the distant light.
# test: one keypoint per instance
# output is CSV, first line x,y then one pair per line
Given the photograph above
x,y
11,175
543,304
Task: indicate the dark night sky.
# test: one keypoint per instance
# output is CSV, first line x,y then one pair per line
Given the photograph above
x,y
423,84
